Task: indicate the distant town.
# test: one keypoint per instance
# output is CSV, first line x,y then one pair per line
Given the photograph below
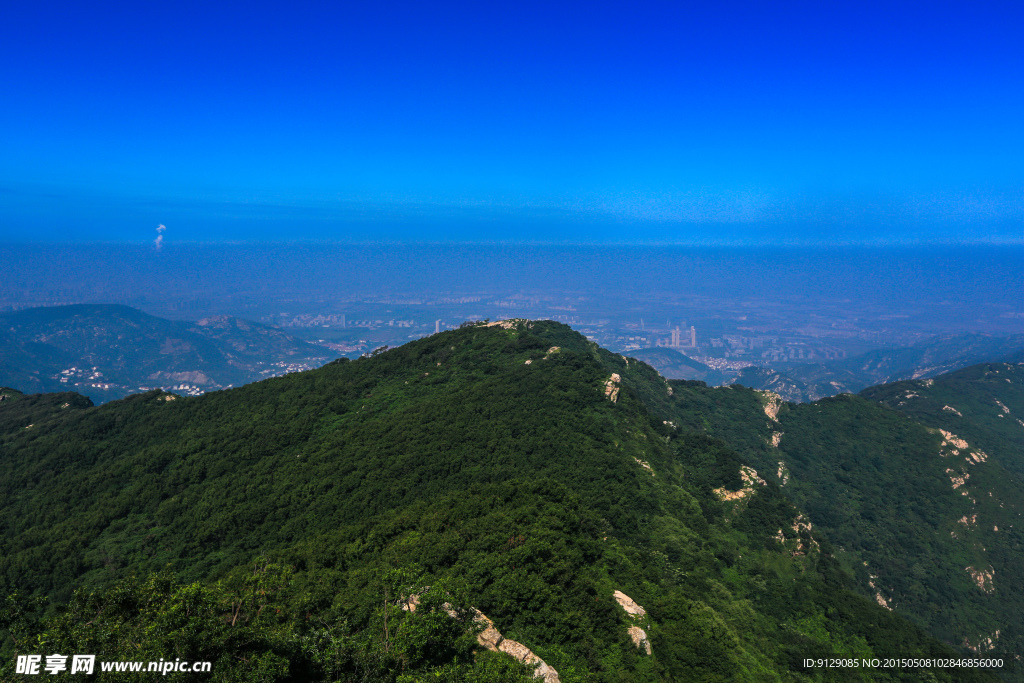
x,y
727,311
727,336
723,334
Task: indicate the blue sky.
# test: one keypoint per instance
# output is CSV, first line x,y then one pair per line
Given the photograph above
x,y
707,123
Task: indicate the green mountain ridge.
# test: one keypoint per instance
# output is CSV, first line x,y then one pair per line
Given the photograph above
x,y
925,516
982,404
512,468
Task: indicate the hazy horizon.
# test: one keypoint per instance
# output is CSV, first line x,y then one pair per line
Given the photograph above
x,y
917,290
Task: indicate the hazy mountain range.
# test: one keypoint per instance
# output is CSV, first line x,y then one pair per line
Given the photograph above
x,y
812,381
108,351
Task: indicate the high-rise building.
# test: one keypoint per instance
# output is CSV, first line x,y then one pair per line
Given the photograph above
x,y
677,338
437,326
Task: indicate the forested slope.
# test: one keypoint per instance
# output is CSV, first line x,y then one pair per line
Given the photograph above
x,y
514,469
921,499
984,404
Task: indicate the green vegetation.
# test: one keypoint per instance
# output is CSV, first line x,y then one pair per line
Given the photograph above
x,y
278,529
984,404
890,493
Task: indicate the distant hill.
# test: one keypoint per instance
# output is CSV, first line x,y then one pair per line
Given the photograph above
x,y
927,359
108,351
1013,357
675,365
818,380
786,387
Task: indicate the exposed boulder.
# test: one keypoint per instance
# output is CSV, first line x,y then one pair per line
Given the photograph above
x,y
639,637
611,387
492,639
636,613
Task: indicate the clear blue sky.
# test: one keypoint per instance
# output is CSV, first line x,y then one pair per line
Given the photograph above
x,y
817,122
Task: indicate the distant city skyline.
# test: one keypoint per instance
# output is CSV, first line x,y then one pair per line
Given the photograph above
x,y
657,123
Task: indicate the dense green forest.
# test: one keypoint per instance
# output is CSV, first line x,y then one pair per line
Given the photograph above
x,y
925,511
284,530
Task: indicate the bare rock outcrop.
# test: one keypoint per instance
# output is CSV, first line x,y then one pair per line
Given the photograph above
x,y
772,402
783,473
984,578
750,479
639,637
637,613
523,654
949,439
491,639
627,603
646,465
611,387
983,643
879,598
509,323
